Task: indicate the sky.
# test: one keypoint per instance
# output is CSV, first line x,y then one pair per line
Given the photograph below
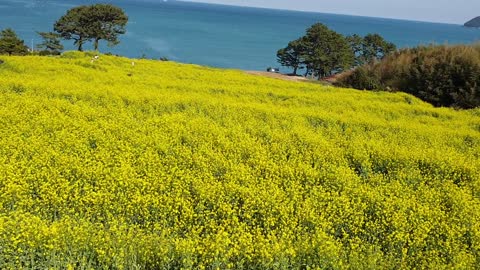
x,y
446,11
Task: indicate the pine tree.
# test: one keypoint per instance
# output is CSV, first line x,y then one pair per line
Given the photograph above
x,y
328,52
92,23
10,43
51,43
292,55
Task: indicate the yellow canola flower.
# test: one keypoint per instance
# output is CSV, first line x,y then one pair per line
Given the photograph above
x,y
164,165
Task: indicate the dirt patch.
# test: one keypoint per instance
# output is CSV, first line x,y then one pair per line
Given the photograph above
x,y
287,77
278,76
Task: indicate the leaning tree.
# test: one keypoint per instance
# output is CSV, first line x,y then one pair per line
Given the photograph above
x,y
74,25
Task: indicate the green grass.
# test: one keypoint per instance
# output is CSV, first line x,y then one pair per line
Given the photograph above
x,y
159,165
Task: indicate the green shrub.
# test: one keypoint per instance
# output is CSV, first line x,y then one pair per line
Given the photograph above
x,y
47,52
363,78
441,75
446,76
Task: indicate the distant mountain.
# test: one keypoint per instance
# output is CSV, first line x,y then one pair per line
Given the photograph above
x,y
473,22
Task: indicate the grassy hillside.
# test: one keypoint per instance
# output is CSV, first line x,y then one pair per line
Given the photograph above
x,y
160,165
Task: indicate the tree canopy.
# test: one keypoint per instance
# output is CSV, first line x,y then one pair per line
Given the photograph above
x,y
327,51
370,48
10,43
108,22
92,23
291,55
375,47
74,26
356,44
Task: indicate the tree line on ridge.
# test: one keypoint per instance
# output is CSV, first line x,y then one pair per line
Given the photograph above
x,y
323,52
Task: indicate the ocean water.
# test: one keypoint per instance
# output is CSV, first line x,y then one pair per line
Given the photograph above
x,y
220,36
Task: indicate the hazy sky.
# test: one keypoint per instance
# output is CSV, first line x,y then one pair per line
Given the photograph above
x,y
448,11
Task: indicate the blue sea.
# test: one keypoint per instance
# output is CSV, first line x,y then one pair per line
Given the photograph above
x,y
220,36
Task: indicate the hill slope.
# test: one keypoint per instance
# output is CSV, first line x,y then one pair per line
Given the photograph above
x,y
160,165
475,22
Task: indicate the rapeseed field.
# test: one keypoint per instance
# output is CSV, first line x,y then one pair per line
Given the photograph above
x,y
139,164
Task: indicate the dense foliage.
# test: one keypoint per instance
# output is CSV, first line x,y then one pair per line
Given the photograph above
x,y
324,52
441,75
157,165
370,48
327,52
293,55
92,23
10,43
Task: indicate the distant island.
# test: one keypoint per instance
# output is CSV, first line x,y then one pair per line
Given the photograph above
x,y
475,22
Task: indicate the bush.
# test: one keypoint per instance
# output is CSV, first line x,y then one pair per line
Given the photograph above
x,y
441,75
446,76
47,53
363,78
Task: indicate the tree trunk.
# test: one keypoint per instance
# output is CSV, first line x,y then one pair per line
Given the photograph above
x,y
320,75
295,71
95,44
80,45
